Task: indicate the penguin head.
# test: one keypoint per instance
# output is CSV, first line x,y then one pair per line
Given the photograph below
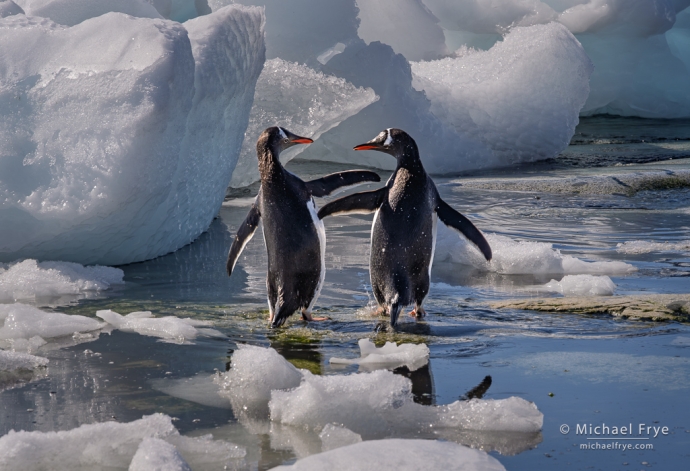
x,y
395,142
278,139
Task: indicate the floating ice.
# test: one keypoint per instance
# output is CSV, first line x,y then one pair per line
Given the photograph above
x,y
512,257
109,445
381,403
31,280
254,373
300,99
333,436
155,454
396,454
25,328
72,12
169,328
389,356
520,100
10,361
645,246
582,285
405,25
201,388
107,153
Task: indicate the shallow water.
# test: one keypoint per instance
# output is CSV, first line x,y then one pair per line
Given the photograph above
x,y
577,369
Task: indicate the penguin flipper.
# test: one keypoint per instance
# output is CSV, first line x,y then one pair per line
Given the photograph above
x,y
244,235
364,202
460,223
326,185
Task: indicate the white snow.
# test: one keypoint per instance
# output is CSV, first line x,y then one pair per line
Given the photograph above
x,y
334,436
25,328
107,153
300,99
111,445
155,454
582,285
169,328
10,361
388,356
72,12
254,373
398,455
518,101
8,7
31,280
513,257
645,246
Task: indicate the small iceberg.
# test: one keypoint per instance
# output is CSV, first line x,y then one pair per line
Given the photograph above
x,y
389,356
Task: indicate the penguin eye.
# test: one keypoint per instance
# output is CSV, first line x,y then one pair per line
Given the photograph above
x,y
286,140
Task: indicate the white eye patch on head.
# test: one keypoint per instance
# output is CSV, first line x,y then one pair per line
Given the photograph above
x,y
282,133
389,139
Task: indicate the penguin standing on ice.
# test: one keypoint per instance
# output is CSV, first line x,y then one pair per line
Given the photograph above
x,y
294,235
403,234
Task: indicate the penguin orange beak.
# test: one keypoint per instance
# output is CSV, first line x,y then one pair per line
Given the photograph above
x,y
302,140
366,146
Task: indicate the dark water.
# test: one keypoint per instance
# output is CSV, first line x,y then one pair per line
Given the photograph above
x,y
578,370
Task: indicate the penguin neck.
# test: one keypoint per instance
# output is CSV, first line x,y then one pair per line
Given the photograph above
x,y
411,162
270,168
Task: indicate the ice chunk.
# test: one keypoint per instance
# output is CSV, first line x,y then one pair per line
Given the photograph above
x,y
646,246
333,436
582,285
504,98
405,25
512,414
98,124
25,327
169,328
396,454
300,99
72,12
254,373
10,361
8,8
201,388
328,54
31,280
106,445
155,454
512,257
389,356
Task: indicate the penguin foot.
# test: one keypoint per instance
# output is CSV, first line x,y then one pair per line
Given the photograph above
x,y
380,311
418,312
309,318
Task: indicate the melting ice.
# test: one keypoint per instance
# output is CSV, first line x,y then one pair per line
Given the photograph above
x,y
389,356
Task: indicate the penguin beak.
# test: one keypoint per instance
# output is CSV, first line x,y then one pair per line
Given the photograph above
x,y
377,143
295,139
366,146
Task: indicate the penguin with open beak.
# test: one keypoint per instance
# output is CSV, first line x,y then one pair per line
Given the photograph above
x,y
294,235
403,234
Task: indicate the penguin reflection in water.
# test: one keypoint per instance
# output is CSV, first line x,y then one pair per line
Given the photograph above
x,y
294,235
403,234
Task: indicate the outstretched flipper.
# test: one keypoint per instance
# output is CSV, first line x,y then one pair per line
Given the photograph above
x,y
460,223
244,235
328,184
364,202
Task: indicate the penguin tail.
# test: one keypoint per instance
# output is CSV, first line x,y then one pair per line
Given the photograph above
x,y
282,312
394,311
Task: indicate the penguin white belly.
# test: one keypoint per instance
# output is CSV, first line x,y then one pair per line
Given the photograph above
x,y
321,231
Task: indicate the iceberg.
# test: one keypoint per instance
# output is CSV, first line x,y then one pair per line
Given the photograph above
x,y
105,151
72,12
396,454
389,356
113,445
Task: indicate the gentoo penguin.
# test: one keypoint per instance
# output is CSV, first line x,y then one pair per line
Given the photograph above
x,y
403,234
294,235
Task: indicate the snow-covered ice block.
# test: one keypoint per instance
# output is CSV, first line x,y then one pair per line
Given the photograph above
x,y
645,246
155,454
8,7
396,454
513,257
254,373
10,361
72,12
31,280
389,356
99,123
582,285
520,100
405,25
334,436
106,445
169,328
25,327
300,99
